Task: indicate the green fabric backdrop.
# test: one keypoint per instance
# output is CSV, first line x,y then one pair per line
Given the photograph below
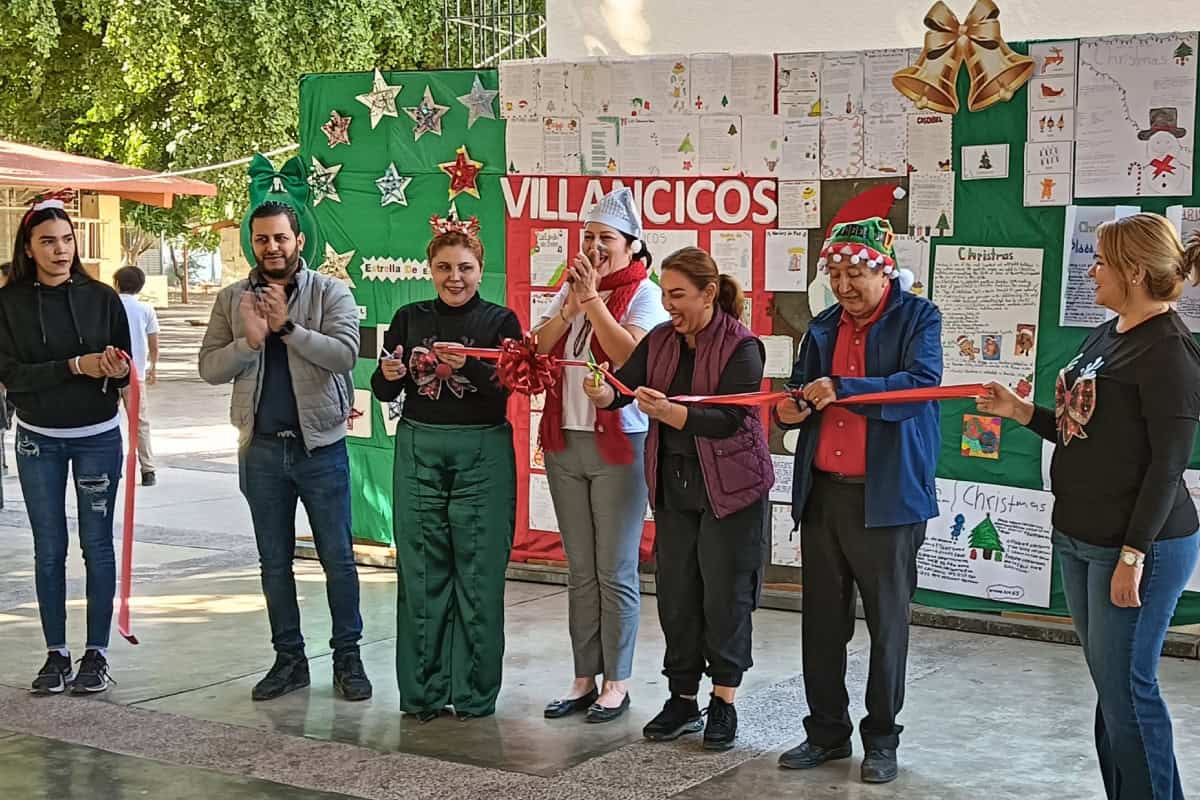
x,y
991,212
395,231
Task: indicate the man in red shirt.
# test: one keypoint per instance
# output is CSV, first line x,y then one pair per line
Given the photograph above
x,y
863,489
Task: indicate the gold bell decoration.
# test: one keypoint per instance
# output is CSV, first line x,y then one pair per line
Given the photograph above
x,y
996,71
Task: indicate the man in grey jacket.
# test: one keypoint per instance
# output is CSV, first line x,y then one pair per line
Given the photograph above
x,y
287,337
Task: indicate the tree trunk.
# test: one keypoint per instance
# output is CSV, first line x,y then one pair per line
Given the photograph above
x,y
185,279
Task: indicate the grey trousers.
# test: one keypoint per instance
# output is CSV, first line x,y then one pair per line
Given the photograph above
x,y
601,509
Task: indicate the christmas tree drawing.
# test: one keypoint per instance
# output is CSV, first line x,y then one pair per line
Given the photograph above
x,y
985,162
1183,53
986,539
686,145
943,224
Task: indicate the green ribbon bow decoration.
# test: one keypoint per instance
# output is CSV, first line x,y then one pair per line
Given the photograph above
x,y
288,185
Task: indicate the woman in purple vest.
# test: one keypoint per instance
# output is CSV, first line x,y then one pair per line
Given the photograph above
x,y
709,472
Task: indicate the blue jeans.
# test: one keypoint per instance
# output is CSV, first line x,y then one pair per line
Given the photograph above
x,y
95,464
1122,647
274,473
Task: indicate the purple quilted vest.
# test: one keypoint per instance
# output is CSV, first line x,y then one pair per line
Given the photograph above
x,y
737,470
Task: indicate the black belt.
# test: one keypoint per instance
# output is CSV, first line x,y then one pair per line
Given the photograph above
x,y
838,477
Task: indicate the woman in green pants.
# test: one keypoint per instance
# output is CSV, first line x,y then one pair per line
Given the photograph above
x,y
455,485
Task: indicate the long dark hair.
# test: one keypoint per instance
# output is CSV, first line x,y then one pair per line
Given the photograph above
x,y
24,268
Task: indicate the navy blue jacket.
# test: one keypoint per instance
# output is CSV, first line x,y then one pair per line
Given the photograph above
x,y
904,351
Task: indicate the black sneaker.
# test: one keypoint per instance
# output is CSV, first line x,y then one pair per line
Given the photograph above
x,y
349,678
149,479
721,731
680,715
289,674
55,675
93,674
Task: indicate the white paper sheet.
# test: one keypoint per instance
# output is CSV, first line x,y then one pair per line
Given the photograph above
x,y
561,146
1048,169
519,89
662,243
762,145
539,306
524,146
798,76
599,143
634,87
537,458
720,144
799,204
677,98
912,254
781,356
787,261
548,256
358,425
593,88
678,145
841,147
733,251
801,149
929,142
1077,301
931,204
1052,59
785,545
781,492
1051,126
991,542
885,145
879,95
554,89
990,298
639,146
841,84
1136,112
712,82
541,505
984,161
753,84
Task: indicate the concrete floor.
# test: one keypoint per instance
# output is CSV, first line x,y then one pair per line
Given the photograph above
x,y
985,717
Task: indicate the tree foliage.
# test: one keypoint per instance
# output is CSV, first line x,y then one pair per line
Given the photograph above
x,y
172,84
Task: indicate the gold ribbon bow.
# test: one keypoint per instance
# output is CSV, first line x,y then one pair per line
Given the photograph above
x,y
996,71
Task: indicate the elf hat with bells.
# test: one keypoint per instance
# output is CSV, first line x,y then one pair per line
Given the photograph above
x,y
860,234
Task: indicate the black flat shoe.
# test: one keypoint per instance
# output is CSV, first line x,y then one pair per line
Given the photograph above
x,y
879,766
429,715
557,709
809,755
598,713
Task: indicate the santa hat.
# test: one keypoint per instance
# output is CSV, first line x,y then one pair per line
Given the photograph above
x,y
860,231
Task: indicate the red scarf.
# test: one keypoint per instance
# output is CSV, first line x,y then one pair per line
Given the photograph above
x,y
611,440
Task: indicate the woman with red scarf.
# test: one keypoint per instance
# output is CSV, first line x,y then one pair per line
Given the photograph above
x,y
594,457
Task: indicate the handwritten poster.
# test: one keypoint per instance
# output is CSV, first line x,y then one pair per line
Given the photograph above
x,y
541,505
752,80
841,147
879,95
787,261
799,204
537,458
929,143
519,89
798,84
801,149
885,145
841,84
1136,109
675,77
524,145
639,146
785,545
781,356
720,144
547,256
1077,307
931,204
912,254
762,145
781,491
678,145
989,298
992,542
1186,220
732,250
600,143
712,82
592,85
561,146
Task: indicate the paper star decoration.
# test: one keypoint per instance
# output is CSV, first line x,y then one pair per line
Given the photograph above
x,y
337,130
335,265
381,100
479,102
428,116
463,172
392,186
322,182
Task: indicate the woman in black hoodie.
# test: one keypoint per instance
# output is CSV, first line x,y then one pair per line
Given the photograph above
x,y
62,336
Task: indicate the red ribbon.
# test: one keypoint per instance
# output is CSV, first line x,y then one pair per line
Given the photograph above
x,y
966,391
131,417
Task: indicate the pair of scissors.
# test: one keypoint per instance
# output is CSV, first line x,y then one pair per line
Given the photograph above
x,y
597,373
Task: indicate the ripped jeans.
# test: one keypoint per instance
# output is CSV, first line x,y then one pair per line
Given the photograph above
x,y
95,462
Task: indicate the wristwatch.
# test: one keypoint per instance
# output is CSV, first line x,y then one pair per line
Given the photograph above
x,y
1132,559
288,328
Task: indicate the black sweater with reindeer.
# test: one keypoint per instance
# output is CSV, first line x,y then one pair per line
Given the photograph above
x,y
41,329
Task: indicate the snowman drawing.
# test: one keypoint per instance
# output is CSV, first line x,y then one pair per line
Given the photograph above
x,y
1164,170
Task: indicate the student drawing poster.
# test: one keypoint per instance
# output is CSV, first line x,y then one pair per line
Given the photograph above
x,y
841,147
787,261
600,145
1053,83
555,96
733,252
1048,169
931,204
592,87
762,145
989,298
721,144
547,256
519,89
675,76
524,145
984,161
358,425
1051,126
539,306
879,95
537,457
711,82
785,543
885,145
780,356
801,149
912,254
981,436
541,505
678,145
639,146
752,79
929,143
1077,302
1136,106
634,87
841,84
1186,220
561,146
1054,59
991,542
798,84
781,491
799,204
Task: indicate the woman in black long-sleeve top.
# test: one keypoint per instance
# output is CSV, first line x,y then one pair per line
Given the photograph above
x,y
1124,426
708,471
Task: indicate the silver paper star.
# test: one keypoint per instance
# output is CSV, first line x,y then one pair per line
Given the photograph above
x,y
479,102
322,182
392,186
381,100
335,265
428,116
